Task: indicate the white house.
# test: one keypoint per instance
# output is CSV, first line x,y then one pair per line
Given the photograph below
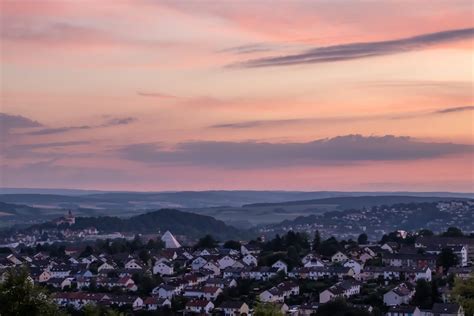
x,y
198,263
105,266
356,266
339,257
133,265
163,268
272,295
232,308
398,295
153,303
315,262
281,266
346,289
166,291
250,249
226,261
199,306
44,276
250,260
212,266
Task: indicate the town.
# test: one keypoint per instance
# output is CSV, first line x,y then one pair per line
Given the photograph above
x,y
404,273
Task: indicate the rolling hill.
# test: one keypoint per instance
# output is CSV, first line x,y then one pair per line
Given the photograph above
x,y
179,222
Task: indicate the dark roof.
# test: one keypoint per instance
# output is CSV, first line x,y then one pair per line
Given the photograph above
x,y
232,304
197,303
450,308
402,309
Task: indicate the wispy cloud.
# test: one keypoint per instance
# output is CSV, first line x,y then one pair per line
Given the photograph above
x,y
157,95
455,109
342,149
339,119
37,150
249,48
359,50
64,129
9,122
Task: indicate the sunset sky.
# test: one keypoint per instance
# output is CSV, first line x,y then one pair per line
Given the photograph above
x,y
196,95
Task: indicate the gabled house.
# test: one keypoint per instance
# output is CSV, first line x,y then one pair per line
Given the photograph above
x,y
198,263
106,267
163,268
281,266
166,291
250,260
399,295
134,264
212,266
226,261
315,262
272,295
339,257
234,308
345,289
199,306
403,310
154,303
250,249
356,266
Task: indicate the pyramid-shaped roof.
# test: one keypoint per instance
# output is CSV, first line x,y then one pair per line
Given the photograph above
x,y
169,240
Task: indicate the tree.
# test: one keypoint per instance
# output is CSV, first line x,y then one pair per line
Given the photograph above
x,y
339,307
463,293
423,294
453,232
232,244
292,257
362,239
19,296
425,233
329,247
206,242
447,258
317,242
267,309
87,252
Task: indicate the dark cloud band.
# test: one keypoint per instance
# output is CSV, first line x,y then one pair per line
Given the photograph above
x,y
359,50
339,150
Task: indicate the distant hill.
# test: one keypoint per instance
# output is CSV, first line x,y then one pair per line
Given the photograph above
x,y
241,208
179,222
9,210
354,202
181,199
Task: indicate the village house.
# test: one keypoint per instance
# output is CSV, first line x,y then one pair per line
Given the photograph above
x,y
250,260
399,295
250,249
166,291
403,310
272,295
339,257
281,266
163,268
234,308
199,306
226,261
345,289
154,303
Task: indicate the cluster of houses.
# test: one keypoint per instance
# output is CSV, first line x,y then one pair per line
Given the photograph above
x,y
201,276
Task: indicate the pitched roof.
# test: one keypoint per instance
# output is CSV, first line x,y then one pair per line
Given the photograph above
x,y
170,241
447,308
232,304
